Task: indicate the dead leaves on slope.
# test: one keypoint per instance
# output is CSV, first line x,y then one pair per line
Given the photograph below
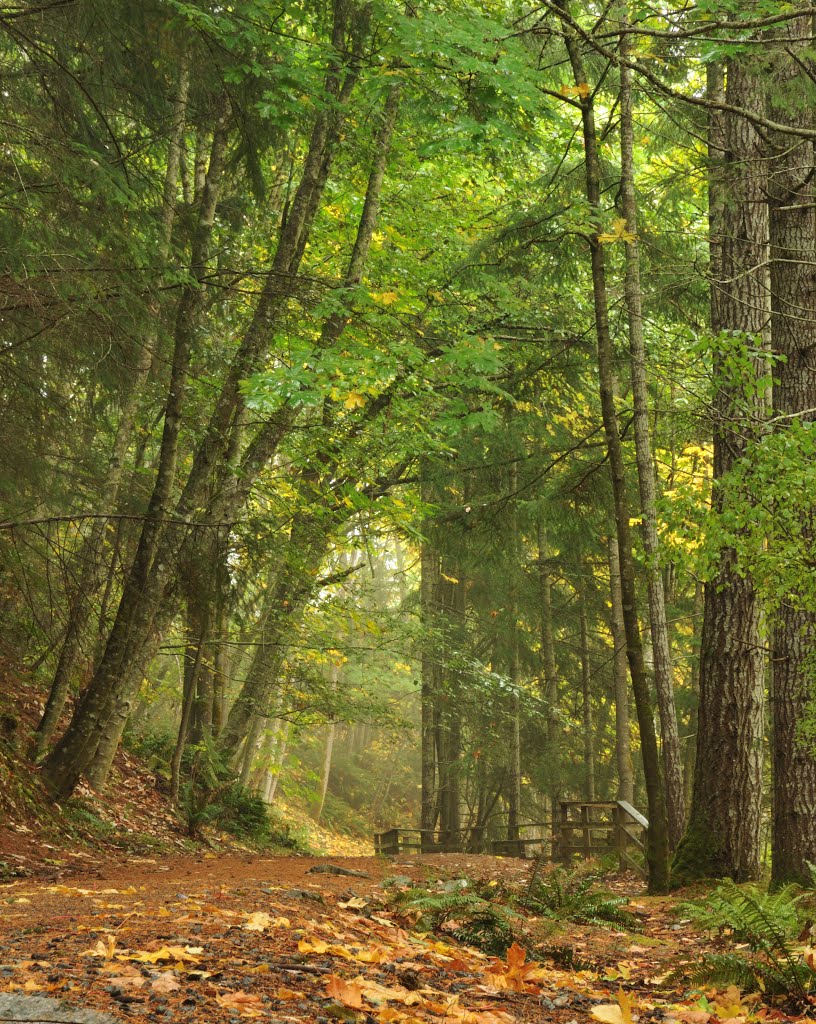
x,y
356,993
263,953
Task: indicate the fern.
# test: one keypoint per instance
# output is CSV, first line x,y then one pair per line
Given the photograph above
x,y
474,920
720,969
747,911
566,896
768,923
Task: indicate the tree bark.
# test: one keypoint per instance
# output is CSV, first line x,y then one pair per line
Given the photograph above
x,y
793,333
429,578
89,561
586,696
108,690
549,673
327,757
657,854
514,766
663,679
623,740
723,831
143,610
694,689
192,668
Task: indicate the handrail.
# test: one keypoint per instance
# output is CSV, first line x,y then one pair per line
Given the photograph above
x,y
633,813
625,825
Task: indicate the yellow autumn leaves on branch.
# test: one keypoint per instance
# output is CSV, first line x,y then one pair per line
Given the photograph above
x,y
619,233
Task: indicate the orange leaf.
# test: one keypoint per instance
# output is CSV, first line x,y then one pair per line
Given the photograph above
x,y
347,993
247,1005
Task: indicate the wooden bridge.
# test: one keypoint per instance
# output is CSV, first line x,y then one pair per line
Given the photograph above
x,y
584,829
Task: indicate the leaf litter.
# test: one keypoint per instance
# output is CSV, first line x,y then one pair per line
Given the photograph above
x,y
229,939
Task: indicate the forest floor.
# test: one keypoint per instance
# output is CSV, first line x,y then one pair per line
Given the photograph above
x,y
133,817
226,938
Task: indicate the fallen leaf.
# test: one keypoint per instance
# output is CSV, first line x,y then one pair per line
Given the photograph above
x,y
105,947
176,953
257,922
128,980
165,983
348,993
615,1013
247,1005
288,994
356,902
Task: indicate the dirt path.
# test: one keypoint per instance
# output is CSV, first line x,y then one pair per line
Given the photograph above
x,y
231,938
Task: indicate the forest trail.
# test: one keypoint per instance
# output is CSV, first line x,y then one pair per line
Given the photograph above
x,y
227,938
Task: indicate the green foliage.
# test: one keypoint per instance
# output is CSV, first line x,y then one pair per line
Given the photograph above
x,y
83,819
746,911
565,895
463,913
244,815
767,923
238,812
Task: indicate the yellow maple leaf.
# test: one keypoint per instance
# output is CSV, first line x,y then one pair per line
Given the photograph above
x,y
354,400
617,234
105,947
615,1013
582,90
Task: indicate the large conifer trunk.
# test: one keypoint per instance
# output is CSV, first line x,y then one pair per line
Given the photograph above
x,y
793,331
723,832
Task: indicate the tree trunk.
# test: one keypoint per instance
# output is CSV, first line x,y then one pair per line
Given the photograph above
x,y
623,740
254,738
514,766
327,759
549,673
89,563
664,683
723,831
108,691
192,669
586,694
793,327
143,609
314,529
694,689
657,854
429,580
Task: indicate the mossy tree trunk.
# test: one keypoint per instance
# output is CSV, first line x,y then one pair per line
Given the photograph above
x,y
793,333
723,831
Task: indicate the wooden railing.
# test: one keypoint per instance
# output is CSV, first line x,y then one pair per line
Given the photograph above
x,y
594,828
584,829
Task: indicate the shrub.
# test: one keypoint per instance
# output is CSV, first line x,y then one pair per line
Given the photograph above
x,y
742,910
468,917
565,895
768,923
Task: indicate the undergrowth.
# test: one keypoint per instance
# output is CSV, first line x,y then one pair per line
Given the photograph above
x,y
773,960
570,895
492,915
463,913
